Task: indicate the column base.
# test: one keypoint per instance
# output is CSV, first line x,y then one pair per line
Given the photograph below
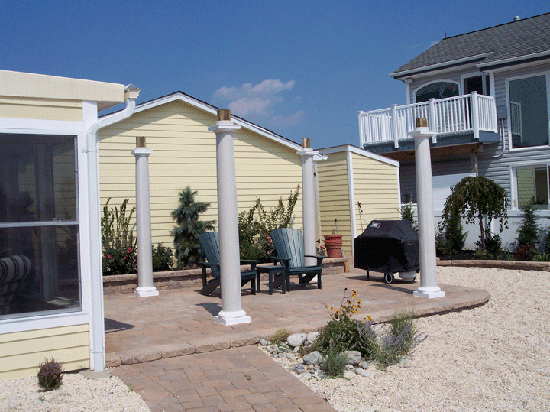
x,y
429,292
145,292
232,318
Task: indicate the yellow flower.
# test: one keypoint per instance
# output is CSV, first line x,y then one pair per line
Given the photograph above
x,y
331,308
326,307
369,318
355,311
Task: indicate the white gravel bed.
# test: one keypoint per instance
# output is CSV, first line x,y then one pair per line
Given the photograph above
x,y
491,358
76,394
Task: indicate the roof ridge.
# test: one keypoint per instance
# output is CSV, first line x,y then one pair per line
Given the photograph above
x,y
492,27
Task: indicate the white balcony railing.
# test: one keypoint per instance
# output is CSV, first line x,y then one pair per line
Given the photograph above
x,y
472,112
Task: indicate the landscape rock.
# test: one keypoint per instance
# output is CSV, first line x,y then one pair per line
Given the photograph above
x,y
296,340
311,336
313,358
354,357
361,372
263,342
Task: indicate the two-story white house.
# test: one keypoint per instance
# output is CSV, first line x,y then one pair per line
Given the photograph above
x,y
487,94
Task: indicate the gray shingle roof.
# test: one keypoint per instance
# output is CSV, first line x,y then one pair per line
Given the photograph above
x,y
489,46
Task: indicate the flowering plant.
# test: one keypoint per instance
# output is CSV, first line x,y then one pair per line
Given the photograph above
x,y
347,308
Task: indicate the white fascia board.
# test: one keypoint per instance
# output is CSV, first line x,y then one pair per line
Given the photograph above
x,y
353,149
439,65
39,126
210,109
514,59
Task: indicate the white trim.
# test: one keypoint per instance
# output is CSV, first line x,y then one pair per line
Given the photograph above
x,y
519,66
351,194
39,126
514,59
438,80
399,189
179,96
407,91
24,324
514,204
440,65
545,73
356,150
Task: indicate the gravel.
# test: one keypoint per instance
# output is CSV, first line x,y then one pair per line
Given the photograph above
x,y
76,394
490,358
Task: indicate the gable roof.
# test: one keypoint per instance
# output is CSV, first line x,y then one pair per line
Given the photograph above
x,y
199,104
361,152
519,41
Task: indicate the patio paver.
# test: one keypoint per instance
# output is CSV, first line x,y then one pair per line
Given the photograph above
x,y
150,336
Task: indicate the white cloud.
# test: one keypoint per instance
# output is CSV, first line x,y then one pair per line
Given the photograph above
x,y
262,99
247,105
268,87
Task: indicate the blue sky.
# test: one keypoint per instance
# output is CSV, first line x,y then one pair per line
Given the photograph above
x,y
299,68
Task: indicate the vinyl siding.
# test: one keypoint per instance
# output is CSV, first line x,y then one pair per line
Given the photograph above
x,y
27,108
184,154
334,198
22,352
497,164
376,187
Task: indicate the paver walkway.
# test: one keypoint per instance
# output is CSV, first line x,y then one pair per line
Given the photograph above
x,y
239,379
149,337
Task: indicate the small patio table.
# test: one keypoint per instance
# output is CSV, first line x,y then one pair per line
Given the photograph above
x,y
272,270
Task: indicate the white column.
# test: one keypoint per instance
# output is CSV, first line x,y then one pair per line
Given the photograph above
x,y
308,200
426,224
143,216
230,269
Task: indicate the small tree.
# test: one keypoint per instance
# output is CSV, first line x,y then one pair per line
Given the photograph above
x,y
189,227
528,232
407,213
476,197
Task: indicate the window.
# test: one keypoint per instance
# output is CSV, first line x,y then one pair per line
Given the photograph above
x,y
438,90
532,184
528,108
38,225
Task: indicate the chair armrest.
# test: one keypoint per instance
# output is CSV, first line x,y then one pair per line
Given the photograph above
x,y
318,257
284,261
252,263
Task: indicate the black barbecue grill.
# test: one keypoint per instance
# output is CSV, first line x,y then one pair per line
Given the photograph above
x,y
388,246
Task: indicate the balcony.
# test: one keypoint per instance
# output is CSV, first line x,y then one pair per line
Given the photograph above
x,y
471,118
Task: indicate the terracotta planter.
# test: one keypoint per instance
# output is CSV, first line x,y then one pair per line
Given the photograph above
x,y
333,244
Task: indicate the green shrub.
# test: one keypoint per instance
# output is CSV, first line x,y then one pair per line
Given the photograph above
x,y
407,213
118,240
162,257
189,227
335,363
528,233
344,333
399,339
256,224
50,375
280,337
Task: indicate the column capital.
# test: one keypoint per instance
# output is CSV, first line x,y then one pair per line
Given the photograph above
x,y
422,132
223,126
141,151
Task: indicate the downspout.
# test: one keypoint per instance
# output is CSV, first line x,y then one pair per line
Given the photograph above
x,y
351,191
97,338
317,205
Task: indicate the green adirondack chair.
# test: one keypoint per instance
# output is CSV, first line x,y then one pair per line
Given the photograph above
x,y
210,250
289,244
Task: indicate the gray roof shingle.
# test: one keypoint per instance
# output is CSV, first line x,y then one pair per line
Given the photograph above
x,y
516,39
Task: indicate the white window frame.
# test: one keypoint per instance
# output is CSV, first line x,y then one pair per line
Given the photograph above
x,y
514,201
77,317
460,90
511,147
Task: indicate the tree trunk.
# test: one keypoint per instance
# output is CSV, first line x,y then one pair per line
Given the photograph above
x,y
481,231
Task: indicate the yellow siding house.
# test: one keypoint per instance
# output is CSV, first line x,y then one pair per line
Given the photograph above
x,y
47,234
350,176
184,154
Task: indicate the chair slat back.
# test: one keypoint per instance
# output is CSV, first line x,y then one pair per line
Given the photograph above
x,y
210,249
289,244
